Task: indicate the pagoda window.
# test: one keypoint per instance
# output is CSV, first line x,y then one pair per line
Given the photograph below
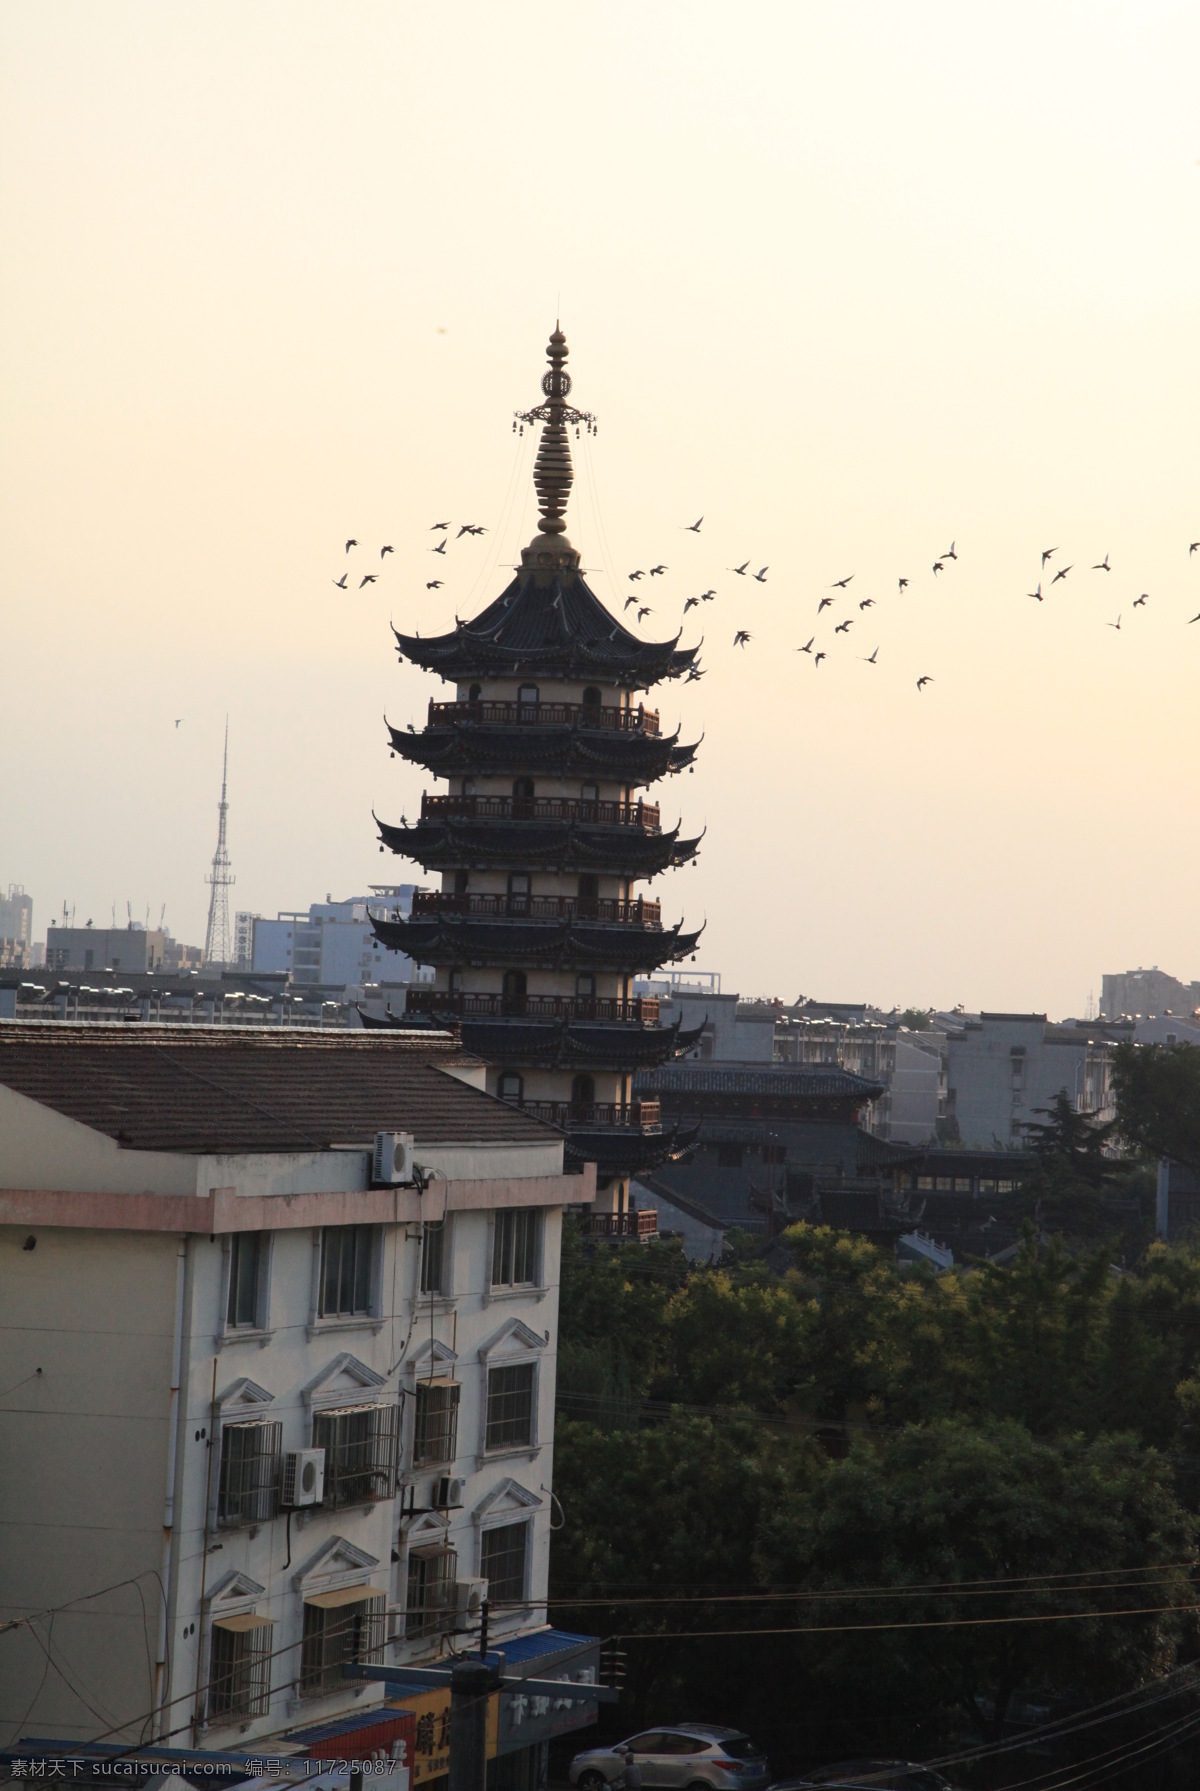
x,y
455,983
583,1093
518,892
527,699
591,697
512,999
585,986
589,887
475,692
523,799
511,1086
468,786
461,882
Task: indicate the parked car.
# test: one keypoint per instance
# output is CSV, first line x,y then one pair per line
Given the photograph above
x,y
687,1755
871,1775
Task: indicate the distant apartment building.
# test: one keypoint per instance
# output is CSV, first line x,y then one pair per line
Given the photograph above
x,y
1147,992
1005,1069
16,929
332,945
129,948
286,1398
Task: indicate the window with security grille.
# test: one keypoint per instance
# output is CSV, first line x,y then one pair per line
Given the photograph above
x,y
433,1257
502,1562
514,1247
510,1406
362,1453
429,1604
247,1255
248,1486
239,1671
347,1261
343,1626
435,1427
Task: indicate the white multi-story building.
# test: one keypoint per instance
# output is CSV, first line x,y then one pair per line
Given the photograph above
x,y
265,1408
333,945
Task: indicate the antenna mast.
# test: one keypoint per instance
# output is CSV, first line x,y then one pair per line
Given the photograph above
x,y
218,941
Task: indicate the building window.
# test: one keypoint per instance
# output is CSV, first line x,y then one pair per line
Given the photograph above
x,y
433,1256
514,1247
339,1627
510,1407
729,1156
239,1671
435,1428
583,1097
512,1000
585,986
362,1453
502,1563
430,1597
347,1260
510,1086
589,793
527,696
247,1489
247,1263
591,697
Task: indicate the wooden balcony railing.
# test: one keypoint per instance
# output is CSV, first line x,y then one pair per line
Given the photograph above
x,y
640,1116
622,1225
428,903
542,808
640,1010
547,715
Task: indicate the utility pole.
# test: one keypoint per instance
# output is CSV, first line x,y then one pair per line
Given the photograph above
x,y
218,943
471,1682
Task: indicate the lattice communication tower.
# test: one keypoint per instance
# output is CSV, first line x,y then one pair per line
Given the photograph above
x,y
218,939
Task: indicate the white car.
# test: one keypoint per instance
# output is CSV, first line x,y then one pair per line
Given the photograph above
x,y
690,1756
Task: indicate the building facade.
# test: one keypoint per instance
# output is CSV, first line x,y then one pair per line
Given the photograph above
x,y
1147,992
129,948
536,929
333,945
16,929
1005,1069
270,1410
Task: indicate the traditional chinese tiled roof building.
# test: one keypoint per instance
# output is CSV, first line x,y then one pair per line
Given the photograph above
x,y
536,931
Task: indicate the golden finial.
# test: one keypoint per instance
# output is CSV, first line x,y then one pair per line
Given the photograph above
x,y
553,474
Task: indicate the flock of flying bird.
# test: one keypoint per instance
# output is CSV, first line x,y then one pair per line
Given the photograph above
x,y
743,636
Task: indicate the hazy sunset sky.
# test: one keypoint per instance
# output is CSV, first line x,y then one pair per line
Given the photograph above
x,y
852,281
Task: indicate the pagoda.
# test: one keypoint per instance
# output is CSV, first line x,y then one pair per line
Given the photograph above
x,y
536,933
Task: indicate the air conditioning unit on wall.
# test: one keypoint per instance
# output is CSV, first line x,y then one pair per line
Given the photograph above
x,y
392,1159
468,1599
447,1493
303,1478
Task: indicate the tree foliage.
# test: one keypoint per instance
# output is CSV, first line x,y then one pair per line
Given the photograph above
x,y
1157,1089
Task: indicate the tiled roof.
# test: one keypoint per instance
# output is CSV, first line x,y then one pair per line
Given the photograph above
x,y
204,1089
756,1079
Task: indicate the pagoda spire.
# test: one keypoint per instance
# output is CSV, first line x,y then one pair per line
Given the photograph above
x,y
553,474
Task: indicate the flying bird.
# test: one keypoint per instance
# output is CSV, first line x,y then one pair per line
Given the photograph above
x,y
903,583
839,584
1046,552
368,580
694,675
1192,546
761,574
922,682
1061,573
1115,624
937,565
692,603
1036,595
693,528
180,719
1138,601
644,611
656,571
808,646
844,627
707,596
818,657
740,570
433,584
869,659
950,553
438,525
636,575
1102,565
630,600
384,550
341,582
867,603
825,603
741,637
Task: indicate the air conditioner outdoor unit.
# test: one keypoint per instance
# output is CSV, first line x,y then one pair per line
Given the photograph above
x,y
468,1599
303,1477
447,1492
392,1161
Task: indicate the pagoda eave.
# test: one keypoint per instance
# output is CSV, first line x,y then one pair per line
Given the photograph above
x,y
620,1151
456,843
462,750
568,944
563,1045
